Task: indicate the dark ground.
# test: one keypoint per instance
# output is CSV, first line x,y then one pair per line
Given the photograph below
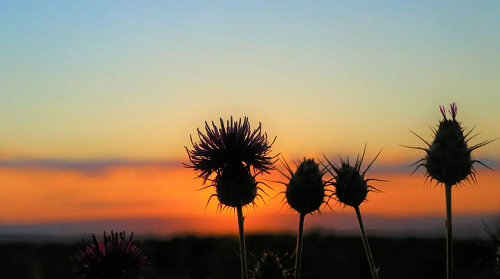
x,y
217,257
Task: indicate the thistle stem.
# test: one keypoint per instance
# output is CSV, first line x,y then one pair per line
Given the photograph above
x,y
449,233
243,250
373,268
300,237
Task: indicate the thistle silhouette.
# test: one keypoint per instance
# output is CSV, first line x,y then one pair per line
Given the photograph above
x,y
495,253
115,258
305,193
449,161
231,152
351,189
270,266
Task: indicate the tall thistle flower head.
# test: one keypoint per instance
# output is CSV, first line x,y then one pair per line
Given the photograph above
x,y
231,152
305,189
115,258
351,187
270,266
448,158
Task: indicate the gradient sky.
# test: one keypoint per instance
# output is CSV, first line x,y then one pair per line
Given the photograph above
x,y
131,80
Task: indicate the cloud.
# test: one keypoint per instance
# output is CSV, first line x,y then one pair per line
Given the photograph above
x,y
114,204
84,166
407,167
101,166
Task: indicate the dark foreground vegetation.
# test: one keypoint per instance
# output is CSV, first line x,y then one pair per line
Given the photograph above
x,y
324,256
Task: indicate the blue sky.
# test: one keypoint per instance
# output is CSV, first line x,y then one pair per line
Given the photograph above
x,y
130,79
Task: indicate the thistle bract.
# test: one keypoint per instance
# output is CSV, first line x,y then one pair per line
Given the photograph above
x,y
115,258
305,190
448,158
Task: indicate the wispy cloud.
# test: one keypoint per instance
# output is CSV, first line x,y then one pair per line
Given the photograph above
x,y
410,166
101,166
116,203
84,166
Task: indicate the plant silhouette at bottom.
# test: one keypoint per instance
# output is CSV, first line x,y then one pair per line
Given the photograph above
x,y
271,266
494,256
115,258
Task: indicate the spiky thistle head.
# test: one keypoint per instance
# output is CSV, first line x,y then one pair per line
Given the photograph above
x,y
231,152
270,266
495,247
448,158
115,258
351,187
305,189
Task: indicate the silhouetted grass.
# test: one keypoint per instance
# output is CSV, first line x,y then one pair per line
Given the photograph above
x,y
217,258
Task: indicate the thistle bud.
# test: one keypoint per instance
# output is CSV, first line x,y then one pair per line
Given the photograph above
x,y
235,186
449,159
305,190
351,187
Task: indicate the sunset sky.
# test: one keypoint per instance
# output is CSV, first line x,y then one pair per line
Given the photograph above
x,y
99,98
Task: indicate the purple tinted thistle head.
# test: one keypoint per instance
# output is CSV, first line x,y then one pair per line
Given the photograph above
x,y
270,266
449,160
230,152
351,187
115,258
305,190
231,144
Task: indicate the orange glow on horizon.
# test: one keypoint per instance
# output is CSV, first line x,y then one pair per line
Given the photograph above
x,y
144,192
